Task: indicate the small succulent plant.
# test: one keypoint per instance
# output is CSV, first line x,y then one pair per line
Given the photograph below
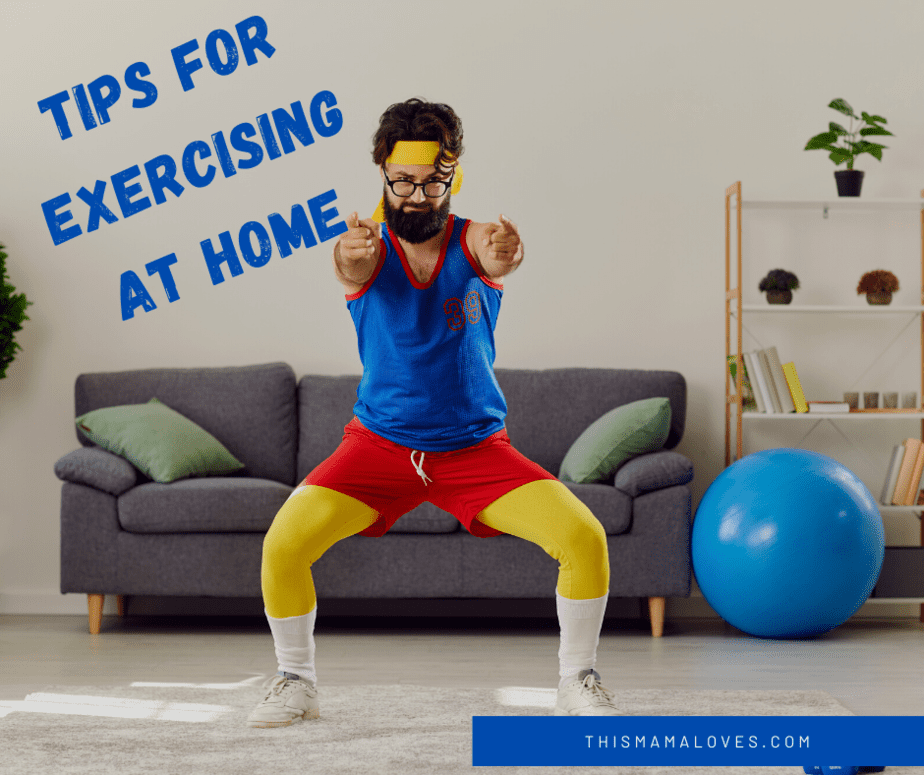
x,y
779,280
878,281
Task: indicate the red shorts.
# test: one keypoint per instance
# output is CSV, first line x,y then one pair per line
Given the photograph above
x,y
385,476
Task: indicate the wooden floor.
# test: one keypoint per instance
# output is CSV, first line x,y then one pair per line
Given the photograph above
x,y
874,667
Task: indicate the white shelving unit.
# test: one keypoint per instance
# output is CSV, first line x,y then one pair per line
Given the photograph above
x,y
735,310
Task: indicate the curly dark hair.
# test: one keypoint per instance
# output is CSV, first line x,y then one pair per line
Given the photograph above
x,y
417,119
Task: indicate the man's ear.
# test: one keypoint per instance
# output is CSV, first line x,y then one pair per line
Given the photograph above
x,y
382,172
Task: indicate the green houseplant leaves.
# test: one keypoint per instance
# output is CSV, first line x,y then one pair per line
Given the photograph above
x,y
12,314
854,147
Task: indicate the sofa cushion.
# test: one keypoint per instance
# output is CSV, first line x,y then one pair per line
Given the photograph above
x,y
325,406
620,434
426,518
653,471
249,409
206,505
161,443
548,409
611,506
96,467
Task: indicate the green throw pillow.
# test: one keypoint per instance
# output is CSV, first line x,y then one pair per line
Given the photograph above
x,y
619,435
164,444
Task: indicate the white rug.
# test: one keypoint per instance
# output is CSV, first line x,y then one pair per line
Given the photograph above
x,y
186,729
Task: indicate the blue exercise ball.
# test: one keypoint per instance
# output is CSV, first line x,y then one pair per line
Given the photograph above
x,y
787,543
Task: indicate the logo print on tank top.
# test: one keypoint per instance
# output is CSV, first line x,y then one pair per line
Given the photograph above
x,y
457,313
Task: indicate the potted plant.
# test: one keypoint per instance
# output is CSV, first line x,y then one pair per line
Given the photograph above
x,y
878,285
849,181
12,314
779,285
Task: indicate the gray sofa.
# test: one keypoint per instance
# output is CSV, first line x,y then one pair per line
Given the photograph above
x,y
122,534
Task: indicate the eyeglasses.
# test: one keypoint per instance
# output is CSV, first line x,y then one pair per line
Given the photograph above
x,y
405,188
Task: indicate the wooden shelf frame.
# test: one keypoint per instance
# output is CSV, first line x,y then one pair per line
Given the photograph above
x,y
734,306
734,309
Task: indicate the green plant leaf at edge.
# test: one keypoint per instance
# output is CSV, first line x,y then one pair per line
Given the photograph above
x,y
823,140
843,106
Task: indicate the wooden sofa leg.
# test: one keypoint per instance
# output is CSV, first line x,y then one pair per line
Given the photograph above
x,y
95,604
120,602
656,610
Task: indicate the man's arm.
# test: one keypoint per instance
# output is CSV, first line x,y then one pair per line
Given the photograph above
x,y
497,246
356,253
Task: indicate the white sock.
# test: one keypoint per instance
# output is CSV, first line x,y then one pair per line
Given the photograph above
x,y
294,641
580,622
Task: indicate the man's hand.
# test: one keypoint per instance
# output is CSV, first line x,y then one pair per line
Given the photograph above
x,y
357,251
360,241
503,248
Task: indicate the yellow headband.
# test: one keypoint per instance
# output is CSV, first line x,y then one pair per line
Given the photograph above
x,y
423,152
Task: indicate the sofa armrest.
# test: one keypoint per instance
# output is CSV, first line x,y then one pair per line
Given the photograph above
x,y
89,540
653,471
96,467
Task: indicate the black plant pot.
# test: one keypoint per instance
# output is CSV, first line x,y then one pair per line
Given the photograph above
x,y
879,297
779,297
849,182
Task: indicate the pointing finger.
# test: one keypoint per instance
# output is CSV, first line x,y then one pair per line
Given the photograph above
x,y
508,225
375,228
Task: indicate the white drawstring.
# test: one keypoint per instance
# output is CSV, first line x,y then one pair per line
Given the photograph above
x,y
419,467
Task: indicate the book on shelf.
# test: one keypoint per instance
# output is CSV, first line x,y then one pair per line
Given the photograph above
x,y
763,368
779,381
754,388
795,387
770,387
762,376
758,394
910,497
747,393
892,475
764,393
903,481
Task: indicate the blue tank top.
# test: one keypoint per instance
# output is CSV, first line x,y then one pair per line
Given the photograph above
x,y
428,349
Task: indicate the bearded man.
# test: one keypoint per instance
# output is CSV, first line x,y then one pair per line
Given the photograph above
x,y
424,290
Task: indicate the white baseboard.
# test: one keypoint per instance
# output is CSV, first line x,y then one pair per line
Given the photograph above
x,y
38,603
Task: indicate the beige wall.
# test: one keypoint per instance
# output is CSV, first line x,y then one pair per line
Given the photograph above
x,y
607,130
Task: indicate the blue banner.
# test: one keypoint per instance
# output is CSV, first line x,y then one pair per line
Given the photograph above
x,y
714,741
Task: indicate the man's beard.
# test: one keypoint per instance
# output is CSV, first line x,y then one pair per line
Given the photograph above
x,y
416,226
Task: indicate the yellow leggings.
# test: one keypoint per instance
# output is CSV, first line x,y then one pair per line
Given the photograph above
x,y
545,512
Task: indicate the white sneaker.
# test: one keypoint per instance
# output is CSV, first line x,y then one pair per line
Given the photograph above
x,y
288,699
586,696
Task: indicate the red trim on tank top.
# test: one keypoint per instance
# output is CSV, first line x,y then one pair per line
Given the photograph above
x,y
378,268
474,262
439,263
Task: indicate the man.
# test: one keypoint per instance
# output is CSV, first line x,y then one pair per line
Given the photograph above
x,y
424,293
